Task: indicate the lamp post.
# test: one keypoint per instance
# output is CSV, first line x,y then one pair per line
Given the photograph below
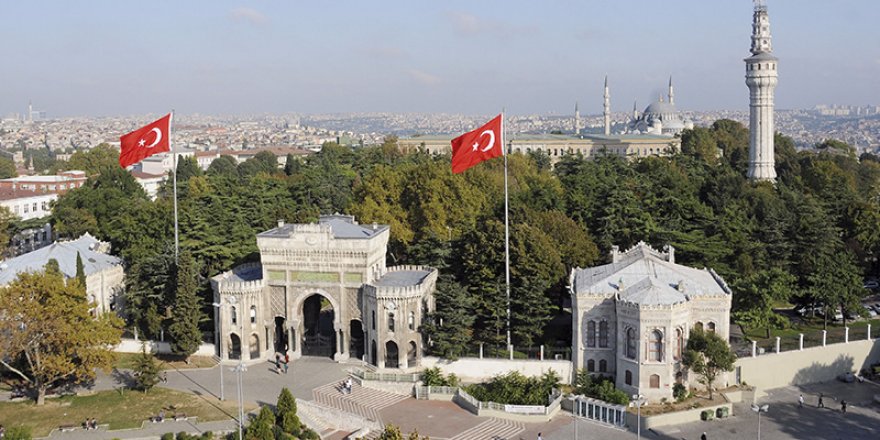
x,y
638,400
219,339
239,369
759,410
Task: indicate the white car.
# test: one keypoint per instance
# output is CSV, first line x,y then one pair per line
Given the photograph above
x,y
872,284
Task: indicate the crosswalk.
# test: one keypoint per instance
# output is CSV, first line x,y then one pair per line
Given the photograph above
x,y
492,429
365,402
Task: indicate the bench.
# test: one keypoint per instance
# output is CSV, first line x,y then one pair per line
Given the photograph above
x,y
179,416
66,428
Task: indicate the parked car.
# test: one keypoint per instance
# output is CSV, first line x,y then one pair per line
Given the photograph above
x,y
872,284
847,377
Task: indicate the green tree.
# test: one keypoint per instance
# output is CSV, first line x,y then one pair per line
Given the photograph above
x,y
7,168
837,285
224,165
261,427
49,334
756,295
707,355
391,432
186,313
80,271
291,165
285,413
450,326
146,370
94,160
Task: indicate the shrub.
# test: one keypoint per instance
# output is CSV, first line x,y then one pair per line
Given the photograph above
x,y
516,389
168,436
679,392
599,387
309,434
18,433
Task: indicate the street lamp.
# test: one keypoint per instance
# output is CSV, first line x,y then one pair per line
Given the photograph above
x,y
239,369
638,401
759,410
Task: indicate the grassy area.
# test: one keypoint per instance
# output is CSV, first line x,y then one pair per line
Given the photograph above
x,y
812,330
121,411
126,361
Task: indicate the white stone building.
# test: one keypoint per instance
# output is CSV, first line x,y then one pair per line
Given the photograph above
x,y
761,77
632,317
323,290
105,280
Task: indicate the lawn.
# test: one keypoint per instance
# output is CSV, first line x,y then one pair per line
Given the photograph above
x,y
126,361
121,411
812,330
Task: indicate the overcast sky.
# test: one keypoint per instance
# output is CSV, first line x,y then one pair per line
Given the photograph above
x,y
114,57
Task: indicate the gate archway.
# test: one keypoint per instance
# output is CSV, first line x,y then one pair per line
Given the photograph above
x,y
281,335
391,355
234,346
319,338
356,335
255,346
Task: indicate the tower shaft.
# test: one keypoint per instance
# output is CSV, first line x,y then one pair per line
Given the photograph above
x,y
761,78
607,110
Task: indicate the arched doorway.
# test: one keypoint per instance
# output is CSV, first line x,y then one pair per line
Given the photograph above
x,y
319,339
411,354
255,346
391,355
356,334
234,346
373,358
280,335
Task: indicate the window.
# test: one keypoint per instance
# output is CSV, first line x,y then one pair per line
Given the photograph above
x,y
655,346
603,334
391,322
591,334
412,321
26,208
679,342
374,320
234,316
591,365
253,314
630,343
698,326
35,206
710,327
628,378
655,381
603,366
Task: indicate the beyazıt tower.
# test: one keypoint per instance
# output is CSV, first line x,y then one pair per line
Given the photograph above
x,y
761,77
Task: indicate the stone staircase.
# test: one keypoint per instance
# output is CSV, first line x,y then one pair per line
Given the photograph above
x,y
492,429
364,402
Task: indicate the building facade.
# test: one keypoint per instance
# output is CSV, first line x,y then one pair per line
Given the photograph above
x,y
324,289
761,77
632,317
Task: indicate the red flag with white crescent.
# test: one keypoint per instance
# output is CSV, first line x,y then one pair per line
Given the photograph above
x,y
146,141
476,146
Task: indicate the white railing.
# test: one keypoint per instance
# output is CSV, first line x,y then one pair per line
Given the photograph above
x,y
554,401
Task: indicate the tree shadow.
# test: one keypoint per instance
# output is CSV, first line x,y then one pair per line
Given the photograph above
x,y
824,423
819,372
124,378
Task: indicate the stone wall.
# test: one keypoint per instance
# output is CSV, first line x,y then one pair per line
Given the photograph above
x,y
479,370
810,365
134,346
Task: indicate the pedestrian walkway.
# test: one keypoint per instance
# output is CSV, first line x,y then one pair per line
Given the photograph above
x,y
149,430
365,402
492,429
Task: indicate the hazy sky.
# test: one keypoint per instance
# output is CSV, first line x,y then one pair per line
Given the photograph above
x,y
121,57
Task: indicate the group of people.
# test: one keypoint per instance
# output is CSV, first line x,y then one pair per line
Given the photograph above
x,y
91,423
159,417
346,386
821,402
282,364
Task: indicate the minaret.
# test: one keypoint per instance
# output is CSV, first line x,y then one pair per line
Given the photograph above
x,y
761,78
30,112
671,93
577,119
635,109
607,111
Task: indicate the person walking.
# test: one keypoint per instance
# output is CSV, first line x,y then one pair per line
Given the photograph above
x,y
539,437
843,406
277,363
801,401
703,437
164,377
821,403
286,366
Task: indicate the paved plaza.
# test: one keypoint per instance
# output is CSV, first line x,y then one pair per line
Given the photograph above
x,y
315,379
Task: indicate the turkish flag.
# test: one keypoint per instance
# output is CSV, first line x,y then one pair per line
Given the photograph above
x,y
476,146
146,141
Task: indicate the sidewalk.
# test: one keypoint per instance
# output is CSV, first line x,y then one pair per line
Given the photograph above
x,y
149,430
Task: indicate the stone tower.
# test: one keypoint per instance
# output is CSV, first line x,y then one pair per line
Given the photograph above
x,y
607,111
761,78
577,120
671,93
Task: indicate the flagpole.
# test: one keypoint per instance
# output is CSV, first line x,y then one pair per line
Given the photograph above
x,y
506,233
174,160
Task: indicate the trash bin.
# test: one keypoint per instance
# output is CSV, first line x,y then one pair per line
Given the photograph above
x,y
707,415
722,412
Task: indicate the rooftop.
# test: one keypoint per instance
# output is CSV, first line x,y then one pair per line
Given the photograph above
x,y
341,226
65,253
402,278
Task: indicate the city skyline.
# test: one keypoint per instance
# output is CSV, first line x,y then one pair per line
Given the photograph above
x,y
242,57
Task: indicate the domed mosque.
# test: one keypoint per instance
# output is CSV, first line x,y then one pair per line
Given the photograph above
x,y
659,118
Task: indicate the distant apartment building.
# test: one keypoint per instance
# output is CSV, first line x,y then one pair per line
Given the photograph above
x,y
27,204
57,184
205,158
150,182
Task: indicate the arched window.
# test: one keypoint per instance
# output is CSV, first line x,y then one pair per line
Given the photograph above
x,y
630,343
603,334
710,327
679,342
698,326
412,321
234,316
603,366
374,320
253,314
655,346
591,365
628,377
655,381
391,322
679,378
591,334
